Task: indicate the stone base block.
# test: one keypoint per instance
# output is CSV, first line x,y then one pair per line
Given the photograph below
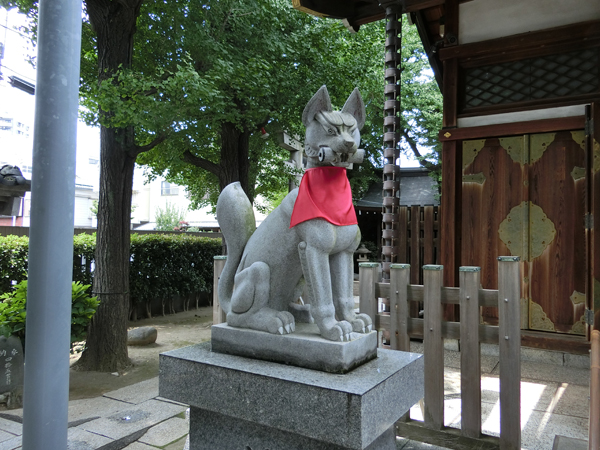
x,y
215,431
240,403
303,348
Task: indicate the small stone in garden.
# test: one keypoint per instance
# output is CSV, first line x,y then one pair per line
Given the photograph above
x,y
142,336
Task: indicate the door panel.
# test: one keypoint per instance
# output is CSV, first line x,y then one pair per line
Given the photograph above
x,y
557,183
524,196
489,167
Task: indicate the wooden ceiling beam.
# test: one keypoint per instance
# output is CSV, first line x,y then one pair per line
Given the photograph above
x,y
520,42
360,11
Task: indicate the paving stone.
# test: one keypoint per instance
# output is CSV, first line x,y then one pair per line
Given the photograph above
x,y
4,436
535,371
539,429
572,400
566,443
139,446
11,444
94,407
579,361
406,444
136,393
11,427
542,356
133,419
166,432
79,439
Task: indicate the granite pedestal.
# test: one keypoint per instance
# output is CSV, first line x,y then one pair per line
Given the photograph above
x,y
303,348
238,403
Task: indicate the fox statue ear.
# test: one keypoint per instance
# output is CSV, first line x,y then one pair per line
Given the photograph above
x,y
319,102
355,107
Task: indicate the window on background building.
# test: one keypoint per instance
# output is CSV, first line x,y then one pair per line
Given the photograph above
x,y
167,188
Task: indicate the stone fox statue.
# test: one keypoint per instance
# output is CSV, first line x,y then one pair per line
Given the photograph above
x,y
310,237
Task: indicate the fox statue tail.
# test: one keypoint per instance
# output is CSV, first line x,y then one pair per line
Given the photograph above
x,y
236,220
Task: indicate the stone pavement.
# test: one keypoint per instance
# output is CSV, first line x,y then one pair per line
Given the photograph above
x,y
554,399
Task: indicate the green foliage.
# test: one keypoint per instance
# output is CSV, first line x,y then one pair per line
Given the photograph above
x,y
421,101
196,68
162,266
165,266
169,218
13,311
94,207
82,309
84,252
13,260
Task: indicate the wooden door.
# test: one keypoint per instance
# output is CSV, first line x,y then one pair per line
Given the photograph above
x,y
524,196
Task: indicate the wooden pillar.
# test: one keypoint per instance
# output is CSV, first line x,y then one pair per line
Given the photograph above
x,y
470,360
593,267
433,347
399,310
509,311
367,278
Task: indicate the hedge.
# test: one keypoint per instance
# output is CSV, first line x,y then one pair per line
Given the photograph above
x,y
13,261
162,266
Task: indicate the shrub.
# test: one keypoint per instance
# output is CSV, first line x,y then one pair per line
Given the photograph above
x,y
84,253
162,266
165,266
169,218
13,311
13,260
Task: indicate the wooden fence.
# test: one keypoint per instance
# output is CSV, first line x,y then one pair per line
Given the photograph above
x,y
418,238
433,330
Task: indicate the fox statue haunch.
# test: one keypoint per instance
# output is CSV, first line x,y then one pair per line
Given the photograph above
x,y
310,238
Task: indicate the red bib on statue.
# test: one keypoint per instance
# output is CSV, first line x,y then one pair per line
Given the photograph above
x,y
324,193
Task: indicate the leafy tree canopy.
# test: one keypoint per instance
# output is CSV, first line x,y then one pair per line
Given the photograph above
x,y
205,74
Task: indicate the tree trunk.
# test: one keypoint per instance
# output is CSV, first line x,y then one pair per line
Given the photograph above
x,y
235,163
106,349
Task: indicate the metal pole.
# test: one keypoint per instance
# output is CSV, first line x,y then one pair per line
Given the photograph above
x,y
48,325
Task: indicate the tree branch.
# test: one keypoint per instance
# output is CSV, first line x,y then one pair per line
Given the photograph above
x,y
144,148
197,161
415,149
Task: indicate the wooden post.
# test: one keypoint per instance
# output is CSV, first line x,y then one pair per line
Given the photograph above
x,y
399,312
367,277
470,361
509,289
218,314
594,432
433,348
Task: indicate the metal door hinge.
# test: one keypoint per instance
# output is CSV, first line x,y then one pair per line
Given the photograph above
x,y
589,317
589,221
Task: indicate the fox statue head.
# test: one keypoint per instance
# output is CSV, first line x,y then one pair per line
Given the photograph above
x,y
332,137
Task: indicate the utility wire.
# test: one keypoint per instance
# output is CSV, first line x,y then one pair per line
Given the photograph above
x,y
17,73
14,31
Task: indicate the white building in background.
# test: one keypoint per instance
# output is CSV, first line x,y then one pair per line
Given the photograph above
x,y
148,198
